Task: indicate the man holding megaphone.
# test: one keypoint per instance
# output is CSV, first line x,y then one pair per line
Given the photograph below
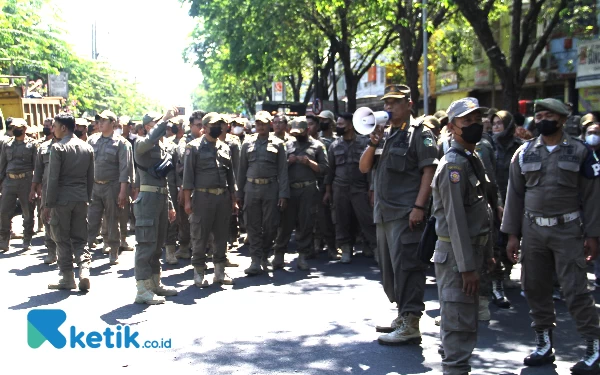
x,y
403,158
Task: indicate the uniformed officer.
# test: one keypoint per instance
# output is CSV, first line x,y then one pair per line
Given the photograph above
x,y
237,128
324,230
208,175
348,188
460,207
17,161
81,128
549,188
280,123
263,190
112,168
174,183
39,184
306,160
234,149
68,191
182,217
407,156
503,127
123,128
152,208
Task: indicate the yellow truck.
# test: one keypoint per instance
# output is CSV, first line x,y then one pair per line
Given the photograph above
x,y
33,110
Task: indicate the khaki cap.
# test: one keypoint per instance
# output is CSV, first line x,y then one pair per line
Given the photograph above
x,y
263,116
552,105
431,122
396,91
17,121
151,117
34,129
298,125
82,122
587,119
327,115
106,114
212,118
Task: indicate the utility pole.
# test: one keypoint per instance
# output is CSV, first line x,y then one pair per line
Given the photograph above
x,y
94,44
425,63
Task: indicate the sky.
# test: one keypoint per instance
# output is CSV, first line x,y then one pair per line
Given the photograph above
x,y
143,38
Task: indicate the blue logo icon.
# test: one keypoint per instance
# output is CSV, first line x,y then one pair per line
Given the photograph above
x,y
42,326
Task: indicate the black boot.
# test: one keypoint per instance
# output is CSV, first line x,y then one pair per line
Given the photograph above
x,y
498,296
544,352
590,363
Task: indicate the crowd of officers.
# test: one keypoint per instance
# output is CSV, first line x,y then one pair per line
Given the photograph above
x,y
489,184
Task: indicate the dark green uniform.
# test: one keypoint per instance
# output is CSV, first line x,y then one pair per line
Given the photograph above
x,y
300,212
152,204
208,171
68,191
17,162
262,181
40,176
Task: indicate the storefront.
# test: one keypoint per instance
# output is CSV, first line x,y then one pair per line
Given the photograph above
x,y
588,76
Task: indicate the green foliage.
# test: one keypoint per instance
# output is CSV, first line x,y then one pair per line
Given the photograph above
x,y
29,37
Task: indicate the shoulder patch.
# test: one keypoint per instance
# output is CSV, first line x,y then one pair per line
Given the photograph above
x,y
428,142
454,176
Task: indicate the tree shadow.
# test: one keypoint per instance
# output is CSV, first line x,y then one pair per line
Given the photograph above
x,y
331,352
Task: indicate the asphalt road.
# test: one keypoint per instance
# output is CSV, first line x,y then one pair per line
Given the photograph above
x,y
289,322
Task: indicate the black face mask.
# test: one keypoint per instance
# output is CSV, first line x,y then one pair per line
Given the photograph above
x,y
302,138
78,133
47,131
545,127
472,133
340,131
324,126
89,131
215,132
17,132
174,129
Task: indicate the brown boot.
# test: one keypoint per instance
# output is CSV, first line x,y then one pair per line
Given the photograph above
x,y
407,333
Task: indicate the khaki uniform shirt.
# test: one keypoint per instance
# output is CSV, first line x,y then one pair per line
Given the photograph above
x,y
460,205
17,156
112,158
343,164
397,174
149,151
263,158
208,165
315,150
70,172
234,148
549,184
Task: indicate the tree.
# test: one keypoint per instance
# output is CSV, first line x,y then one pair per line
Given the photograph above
x,y
355,32
405,19
525,46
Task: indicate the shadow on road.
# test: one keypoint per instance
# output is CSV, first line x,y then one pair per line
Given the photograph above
x,y
331,352
49,298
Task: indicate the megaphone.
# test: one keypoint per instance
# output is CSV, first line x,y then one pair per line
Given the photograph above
x,y
365,120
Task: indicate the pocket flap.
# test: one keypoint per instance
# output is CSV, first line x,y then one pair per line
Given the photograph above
x,y
568,166
111,150
339,152
456,295
144,222
440,256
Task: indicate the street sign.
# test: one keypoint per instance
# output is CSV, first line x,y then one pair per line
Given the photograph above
x,y
317,106
58,85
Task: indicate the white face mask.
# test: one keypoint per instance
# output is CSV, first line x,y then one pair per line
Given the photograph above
x,y
118,131
592,139
253,130
132,136
237,130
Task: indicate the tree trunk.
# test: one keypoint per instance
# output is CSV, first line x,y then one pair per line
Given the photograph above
x,y
351,88
511,92
411,69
